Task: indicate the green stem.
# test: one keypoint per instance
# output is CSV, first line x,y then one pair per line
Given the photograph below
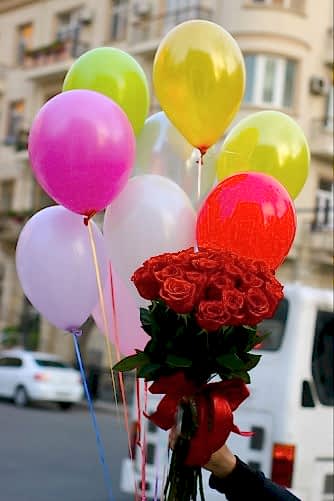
x,y
184,482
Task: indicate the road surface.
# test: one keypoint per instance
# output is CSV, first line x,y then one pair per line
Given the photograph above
x,y
50,455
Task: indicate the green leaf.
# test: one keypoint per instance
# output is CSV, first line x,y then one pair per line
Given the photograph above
x,y
148,370
252,361
231,361
176,361
131,362
242,375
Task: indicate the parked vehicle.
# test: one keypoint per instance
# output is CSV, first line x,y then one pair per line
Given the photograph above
x,y
27,376
290,408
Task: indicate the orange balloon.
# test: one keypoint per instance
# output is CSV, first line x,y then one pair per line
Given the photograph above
x,y
250,214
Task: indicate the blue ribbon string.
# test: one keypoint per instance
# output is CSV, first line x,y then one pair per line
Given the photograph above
x,y
102,455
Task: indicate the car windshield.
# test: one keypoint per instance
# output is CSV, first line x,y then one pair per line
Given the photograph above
x,y
43,362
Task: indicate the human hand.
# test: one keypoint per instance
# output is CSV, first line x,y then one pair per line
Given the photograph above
x,y
221,463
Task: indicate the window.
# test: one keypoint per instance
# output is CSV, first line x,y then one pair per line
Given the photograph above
x,y
7,195
298,5
10,362
329,110
276,327
40,199
56,364
324,212
24,41
270,80
15,121
323,357
68,25
119,20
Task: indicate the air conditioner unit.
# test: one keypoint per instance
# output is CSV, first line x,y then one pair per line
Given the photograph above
x,y
142,8
318,86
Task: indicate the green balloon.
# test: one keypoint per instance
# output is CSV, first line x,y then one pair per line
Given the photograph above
x,y
115,74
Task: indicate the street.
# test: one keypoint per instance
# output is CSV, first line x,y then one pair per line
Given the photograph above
x,y
50,455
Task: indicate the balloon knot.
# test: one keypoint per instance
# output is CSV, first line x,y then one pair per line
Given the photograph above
x,y
76,332
89,216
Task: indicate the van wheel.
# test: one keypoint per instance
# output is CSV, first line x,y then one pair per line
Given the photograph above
x,y
65,406
21,397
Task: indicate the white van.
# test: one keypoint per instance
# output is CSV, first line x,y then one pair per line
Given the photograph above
x,y
290,407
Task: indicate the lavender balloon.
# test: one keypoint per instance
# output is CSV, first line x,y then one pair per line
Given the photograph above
x,y
81,148
55,266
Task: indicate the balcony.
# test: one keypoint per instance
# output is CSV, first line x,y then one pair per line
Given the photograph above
x,y
313,239
52,59
321,138
146,31
10,226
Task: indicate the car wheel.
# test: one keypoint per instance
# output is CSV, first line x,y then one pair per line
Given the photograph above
x,y
65,406
21,397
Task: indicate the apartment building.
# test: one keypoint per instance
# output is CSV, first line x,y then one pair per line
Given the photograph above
x,y
288,49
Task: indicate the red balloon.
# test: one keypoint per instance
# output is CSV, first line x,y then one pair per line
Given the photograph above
x,y
250,214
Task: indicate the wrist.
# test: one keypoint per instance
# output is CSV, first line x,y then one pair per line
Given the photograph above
x,y
222,463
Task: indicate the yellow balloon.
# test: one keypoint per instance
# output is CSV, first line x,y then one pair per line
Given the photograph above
x,y
269,142
199,80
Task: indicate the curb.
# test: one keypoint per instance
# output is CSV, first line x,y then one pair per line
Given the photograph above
x,y
101,406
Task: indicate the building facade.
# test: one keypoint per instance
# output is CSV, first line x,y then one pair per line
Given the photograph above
x,y
288,49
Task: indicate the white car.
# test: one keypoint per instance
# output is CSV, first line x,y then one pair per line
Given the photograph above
x,y
27,376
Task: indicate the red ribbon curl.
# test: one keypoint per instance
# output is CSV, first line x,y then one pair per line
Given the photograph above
x,y
215,403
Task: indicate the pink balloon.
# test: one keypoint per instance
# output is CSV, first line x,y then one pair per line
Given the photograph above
x,y
82,148
130,334
55,265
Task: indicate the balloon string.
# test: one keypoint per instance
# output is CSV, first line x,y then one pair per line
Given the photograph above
x,y
120,376
103,310
143,448
102,455
199,177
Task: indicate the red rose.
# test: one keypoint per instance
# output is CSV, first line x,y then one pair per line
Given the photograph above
x,y
179,295
169,271
232,270
205,264
257,306
218,283
200,280
274,293
146,283
156,263
233,300
250,280
212,315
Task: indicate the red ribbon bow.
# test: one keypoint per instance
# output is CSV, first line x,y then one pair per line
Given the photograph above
x,y
215,403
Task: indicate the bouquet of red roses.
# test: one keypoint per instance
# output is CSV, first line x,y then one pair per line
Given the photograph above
x,y
202,319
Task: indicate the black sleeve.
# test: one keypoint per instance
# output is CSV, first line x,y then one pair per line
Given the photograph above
x,y
244,483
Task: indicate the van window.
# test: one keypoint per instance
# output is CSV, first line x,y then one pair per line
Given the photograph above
x,y
276,327
323,357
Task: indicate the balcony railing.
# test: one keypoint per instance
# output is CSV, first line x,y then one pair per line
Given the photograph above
x,y
321,137
152,28
59,50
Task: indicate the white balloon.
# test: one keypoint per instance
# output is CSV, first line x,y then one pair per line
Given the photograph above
x,y
161,149
152,215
